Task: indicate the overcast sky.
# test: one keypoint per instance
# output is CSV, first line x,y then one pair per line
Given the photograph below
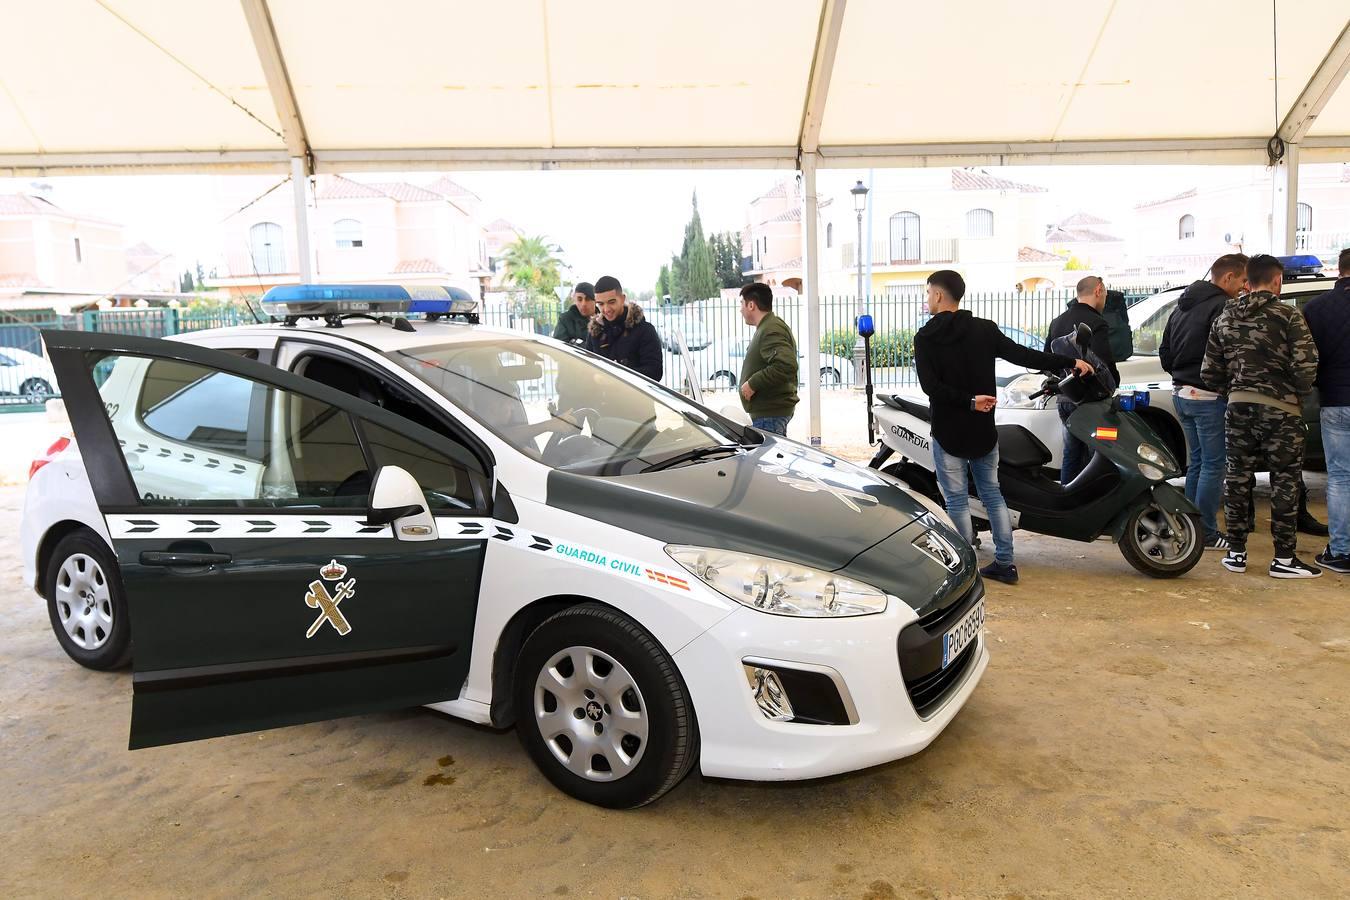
x,y
622,223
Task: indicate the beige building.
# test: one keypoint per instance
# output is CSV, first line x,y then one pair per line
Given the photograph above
x,y
988,228
43,246
382,232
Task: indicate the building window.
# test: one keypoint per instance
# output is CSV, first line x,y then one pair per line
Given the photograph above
x,y
79,254
266,249
1302,227
980,223
1186,227
829,235
904,238
348,233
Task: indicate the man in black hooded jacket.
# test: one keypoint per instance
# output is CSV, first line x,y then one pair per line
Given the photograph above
x,y
1199,407
622,333
954,354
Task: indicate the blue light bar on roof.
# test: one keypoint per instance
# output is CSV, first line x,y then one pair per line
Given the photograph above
x,y
1301,264
293,301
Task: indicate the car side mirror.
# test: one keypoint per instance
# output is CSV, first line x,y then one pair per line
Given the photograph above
x,y
396,499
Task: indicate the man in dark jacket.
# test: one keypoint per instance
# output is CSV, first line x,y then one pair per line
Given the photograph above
x,y
1200,408
769,371
1091,293
1261,355
954,353
1328,318
572,324
621,333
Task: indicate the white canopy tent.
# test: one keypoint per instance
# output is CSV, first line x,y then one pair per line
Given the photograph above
x,y
303,86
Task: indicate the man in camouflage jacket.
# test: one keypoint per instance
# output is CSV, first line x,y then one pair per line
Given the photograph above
x,y
1261,354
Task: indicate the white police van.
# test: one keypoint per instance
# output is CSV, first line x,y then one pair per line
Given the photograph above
x,y
350,509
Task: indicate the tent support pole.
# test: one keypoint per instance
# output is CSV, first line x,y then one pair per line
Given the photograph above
x,y
811,257
300,184
1284,203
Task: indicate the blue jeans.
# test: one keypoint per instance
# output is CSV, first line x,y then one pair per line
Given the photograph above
x,y
1336,446
1202,420
774,424
1076,454
951,476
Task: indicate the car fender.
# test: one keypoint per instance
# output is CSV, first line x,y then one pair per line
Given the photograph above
x,y
58,493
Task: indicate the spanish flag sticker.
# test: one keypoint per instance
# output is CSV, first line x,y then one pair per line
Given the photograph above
x,y
1105,434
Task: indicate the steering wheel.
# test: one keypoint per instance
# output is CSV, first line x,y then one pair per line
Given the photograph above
x,y
578,417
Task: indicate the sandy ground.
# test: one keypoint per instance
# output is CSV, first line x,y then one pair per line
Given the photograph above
x,y
1132,738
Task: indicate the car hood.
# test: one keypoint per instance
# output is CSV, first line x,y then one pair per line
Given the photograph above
x,y
779,499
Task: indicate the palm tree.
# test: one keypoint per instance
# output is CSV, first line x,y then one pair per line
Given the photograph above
x,y
533,265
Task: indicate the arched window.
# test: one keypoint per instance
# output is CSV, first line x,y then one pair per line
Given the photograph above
x,y
1302,227
1186,227
829,235
348,232
980,223
905,238
266,248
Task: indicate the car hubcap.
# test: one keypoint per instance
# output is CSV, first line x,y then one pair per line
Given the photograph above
x,y
83,602
1159,540
590,714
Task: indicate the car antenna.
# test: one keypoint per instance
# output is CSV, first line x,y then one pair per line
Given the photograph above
x,y
257,319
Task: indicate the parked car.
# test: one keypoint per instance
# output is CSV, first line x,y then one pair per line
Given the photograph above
x,y
1005,371
26,375
286,523
722,363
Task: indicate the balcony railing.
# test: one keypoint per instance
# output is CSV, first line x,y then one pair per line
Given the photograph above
x,y
905,253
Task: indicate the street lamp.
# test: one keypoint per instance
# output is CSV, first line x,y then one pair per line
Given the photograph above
x,y
859,192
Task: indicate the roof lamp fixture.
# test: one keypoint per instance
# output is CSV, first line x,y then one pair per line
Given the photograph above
x,y
859,192
332,302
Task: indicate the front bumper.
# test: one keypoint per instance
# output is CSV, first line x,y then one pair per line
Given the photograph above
x,y
738,741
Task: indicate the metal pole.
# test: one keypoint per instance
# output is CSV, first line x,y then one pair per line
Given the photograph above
x,y
859,348
812,258
1284,203
300,184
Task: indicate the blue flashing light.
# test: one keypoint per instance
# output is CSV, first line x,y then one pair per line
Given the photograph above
x,y
1141,399
1301,264
866,327
320,293
293,301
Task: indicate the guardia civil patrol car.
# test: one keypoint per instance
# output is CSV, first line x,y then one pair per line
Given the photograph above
x,y
372,502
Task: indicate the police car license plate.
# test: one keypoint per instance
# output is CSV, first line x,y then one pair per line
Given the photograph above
x,y
963,633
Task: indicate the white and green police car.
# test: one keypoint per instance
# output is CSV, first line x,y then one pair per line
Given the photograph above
x,y
350,509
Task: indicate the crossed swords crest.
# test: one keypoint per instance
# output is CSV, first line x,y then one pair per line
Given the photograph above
x,y
327,604
812,484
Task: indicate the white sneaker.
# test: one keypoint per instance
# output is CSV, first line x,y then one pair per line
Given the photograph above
x,y
1296,568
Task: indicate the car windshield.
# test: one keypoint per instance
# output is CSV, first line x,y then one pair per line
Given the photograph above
x,y
1149,317
567,409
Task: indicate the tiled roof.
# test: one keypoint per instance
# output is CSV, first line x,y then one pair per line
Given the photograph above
x,y
142,249
1079,236
1182,196
501,225
339,188
448,188
779,190
789,215
19,279
406,193
980,180
1083,218
418,266
1031,254
23,204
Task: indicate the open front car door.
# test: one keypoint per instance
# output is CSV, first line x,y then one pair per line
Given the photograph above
x,y
290,553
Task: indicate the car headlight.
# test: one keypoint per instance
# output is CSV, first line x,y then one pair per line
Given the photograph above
x,y
778,587
1152,473
1154,455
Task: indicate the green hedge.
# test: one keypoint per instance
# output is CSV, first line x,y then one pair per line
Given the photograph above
x,y
892,349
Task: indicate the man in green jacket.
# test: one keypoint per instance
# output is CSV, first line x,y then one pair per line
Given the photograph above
x,y
769,373
572,323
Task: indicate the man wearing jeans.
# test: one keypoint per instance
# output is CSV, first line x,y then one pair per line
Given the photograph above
x,y
1329,321
1199,407
954,353
769,371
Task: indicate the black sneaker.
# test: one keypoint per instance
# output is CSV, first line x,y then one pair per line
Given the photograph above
x,y
1338,564
1295,568
1235,561
1309,525
1000,572
1216,542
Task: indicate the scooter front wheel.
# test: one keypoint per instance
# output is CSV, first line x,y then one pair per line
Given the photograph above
x,y
1161,544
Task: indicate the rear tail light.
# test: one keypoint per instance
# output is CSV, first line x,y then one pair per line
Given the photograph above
x,y
53,451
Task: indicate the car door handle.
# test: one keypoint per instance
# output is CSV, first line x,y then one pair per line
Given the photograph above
x,y
182,558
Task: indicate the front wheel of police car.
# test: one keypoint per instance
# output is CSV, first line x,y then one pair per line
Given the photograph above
x,y
86,602
602,710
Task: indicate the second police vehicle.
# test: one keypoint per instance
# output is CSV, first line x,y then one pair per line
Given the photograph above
x,y
350,509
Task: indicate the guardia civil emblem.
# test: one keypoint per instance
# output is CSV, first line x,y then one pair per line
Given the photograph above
x,y
327,603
